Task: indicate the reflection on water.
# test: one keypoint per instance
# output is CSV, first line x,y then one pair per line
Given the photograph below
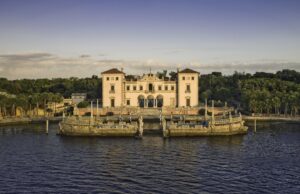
x,y
264,162
20,129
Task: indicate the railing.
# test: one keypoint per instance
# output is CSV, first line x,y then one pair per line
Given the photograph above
x,y
226,121
149,91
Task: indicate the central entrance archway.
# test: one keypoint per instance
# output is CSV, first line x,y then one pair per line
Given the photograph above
x,y
160,100
150,101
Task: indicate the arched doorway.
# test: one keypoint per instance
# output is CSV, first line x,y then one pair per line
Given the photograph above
x,y
150,100
141,101
160,100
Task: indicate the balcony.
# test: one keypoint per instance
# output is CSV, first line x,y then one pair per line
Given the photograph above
x,y
149,91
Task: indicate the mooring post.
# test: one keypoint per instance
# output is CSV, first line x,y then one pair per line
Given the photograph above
x,y
255,125
205,116
63,115
213,112
91,109
97,111
91,118
47,126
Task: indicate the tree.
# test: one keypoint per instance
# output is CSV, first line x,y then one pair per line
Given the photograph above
x,y
83,104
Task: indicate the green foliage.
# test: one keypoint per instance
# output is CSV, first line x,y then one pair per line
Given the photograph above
x,y
83,104
259,93
8,104
63,86
265,95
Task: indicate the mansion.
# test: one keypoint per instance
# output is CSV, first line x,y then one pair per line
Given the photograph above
x,y
149,90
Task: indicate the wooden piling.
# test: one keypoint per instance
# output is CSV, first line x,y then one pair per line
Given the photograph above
x,y
47,126
205,116
97,111
255,125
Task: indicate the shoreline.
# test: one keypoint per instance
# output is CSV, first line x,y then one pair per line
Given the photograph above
x,y
271,118
35,120
27,120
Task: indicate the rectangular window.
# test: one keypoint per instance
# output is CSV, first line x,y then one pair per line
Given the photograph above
x,y
166,87
112,102
188,102
183,78
128,102
134,87
193,78
172,88
159,87
112,88
188,88
117,78
107,78
141,87
128,87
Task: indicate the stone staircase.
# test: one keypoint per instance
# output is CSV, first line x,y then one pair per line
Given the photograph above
x,y
150,111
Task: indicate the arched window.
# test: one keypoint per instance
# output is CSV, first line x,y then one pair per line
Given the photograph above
x,y
150,100
141,101
160,101
150,87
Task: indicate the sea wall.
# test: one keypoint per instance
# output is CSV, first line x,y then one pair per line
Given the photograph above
x,y
272,118
26,120
127,110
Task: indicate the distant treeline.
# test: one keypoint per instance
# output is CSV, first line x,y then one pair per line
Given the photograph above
x,y
276,93
62,86
32,93
260,92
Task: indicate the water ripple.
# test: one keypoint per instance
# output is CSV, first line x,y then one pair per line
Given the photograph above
x,y
265,162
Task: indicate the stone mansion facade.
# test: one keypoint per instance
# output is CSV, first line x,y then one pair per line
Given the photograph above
x,y
149,90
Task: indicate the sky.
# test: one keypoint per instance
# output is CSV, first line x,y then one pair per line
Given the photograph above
x,y
81,38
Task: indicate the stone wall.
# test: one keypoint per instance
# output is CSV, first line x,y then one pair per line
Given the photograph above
x,y
150,111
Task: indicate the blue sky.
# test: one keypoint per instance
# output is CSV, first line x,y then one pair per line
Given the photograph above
x,y
58,38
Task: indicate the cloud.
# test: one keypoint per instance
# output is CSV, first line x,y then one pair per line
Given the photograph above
x,y
27,56
47,65
248,67
174,51
84,56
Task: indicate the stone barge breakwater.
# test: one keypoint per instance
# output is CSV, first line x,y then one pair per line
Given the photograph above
x,y
101,126
204,126
167,126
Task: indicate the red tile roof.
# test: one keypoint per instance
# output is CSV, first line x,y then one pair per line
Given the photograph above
x,y
188,71
113,71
